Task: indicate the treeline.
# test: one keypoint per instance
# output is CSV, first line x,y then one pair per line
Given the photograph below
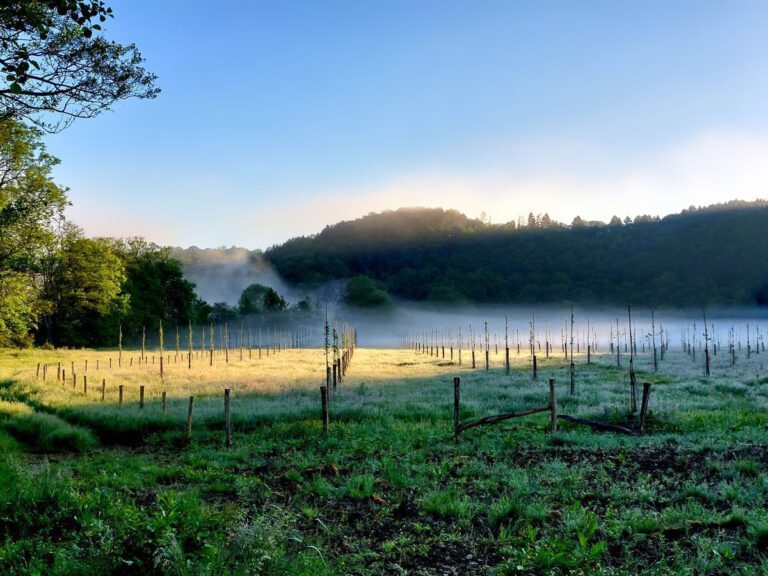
x,y
61,288
712,255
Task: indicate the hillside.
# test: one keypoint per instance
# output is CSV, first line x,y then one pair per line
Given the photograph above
x,y
712,255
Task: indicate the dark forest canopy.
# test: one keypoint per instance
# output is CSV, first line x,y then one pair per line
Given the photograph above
x,y
712,255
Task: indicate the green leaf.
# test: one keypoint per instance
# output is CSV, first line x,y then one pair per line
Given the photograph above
x,y
15,88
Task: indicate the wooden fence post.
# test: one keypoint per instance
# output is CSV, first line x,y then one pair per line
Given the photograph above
x,y
227,419
644,404
165,402
189,416
456,409
141,396
103,389
85,384
120,395
324,405
553,404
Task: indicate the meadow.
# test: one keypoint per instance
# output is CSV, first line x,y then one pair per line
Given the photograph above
x,y
91,486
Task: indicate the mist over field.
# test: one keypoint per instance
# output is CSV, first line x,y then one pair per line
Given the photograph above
x,y
221,274
386,328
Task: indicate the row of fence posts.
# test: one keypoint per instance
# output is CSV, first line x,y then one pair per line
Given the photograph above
x,y
340,367
164,403
42,368
332,377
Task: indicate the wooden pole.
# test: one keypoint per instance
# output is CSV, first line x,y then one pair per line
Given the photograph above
x,y
103,389
227,419
141,396
644,404
120,395
189,416
165,402
456,405
553,404
324,405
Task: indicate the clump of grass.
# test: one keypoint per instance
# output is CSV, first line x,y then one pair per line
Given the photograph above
x,y
505,510
318,486
446,504
360,487
43,432
747,467
759,534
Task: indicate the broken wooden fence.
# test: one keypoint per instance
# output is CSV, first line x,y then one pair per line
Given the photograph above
x,y
551,407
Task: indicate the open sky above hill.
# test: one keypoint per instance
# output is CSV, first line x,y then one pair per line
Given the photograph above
x,y
279,118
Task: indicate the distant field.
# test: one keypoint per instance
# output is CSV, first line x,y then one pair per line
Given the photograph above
x,y
89,486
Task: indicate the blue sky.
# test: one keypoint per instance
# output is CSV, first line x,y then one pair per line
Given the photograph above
x,y
279,118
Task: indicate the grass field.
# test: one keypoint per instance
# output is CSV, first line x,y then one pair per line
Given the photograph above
x,y
90,487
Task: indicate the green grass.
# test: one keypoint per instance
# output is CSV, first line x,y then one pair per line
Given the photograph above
x,y
43,432
91,487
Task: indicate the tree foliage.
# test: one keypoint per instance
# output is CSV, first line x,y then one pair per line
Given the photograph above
x,y
257,299
31,210
362,291
31,204
58,66
155,286
83,286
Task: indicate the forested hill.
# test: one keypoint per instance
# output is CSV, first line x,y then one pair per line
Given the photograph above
x,y
713,255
